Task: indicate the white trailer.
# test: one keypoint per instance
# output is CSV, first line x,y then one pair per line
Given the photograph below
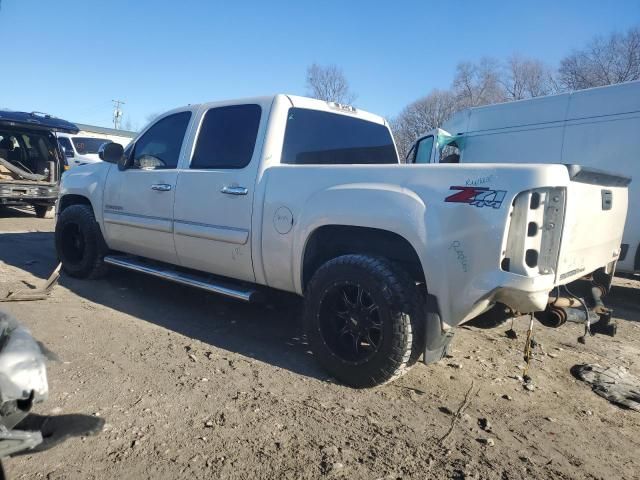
x,y
598,127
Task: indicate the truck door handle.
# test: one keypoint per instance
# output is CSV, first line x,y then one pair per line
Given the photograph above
x,y
234,190
161,187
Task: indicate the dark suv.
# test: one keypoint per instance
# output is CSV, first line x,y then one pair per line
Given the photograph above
x,y
31,159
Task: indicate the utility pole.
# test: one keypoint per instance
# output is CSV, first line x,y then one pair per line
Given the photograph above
x,y
117,113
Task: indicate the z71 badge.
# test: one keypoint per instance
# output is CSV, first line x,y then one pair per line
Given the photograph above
x,y
477,196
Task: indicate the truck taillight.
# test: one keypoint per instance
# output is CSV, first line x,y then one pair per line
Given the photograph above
x,y
535,228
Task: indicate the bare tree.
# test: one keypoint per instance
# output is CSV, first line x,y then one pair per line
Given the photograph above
x,y
474,84
478,84
526,78
604,61
614,59
129,124
329,83
420,116
151,117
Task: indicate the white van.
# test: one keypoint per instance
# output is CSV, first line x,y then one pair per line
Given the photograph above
x,y
82,148
598,127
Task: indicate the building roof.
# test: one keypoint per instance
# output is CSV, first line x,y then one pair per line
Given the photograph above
x,y
106,131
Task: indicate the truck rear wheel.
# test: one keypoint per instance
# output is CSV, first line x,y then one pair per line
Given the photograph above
x,y
79,243
361,315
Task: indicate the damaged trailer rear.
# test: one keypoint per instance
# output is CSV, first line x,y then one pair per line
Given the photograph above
x,y
31,159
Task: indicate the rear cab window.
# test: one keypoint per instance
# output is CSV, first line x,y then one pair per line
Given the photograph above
x,y
315,137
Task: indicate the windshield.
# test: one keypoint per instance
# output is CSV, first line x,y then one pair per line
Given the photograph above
x,y
86,145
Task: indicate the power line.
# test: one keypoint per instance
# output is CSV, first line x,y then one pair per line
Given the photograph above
x,y
117,113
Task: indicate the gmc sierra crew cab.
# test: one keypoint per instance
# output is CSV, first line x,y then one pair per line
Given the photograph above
x,y
305,196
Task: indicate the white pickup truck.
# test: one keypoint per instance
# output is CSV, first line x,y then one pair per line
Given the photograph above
x,y
304,196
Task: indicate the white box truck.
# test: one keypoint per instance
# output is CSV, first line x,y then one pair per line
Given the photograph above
x,y
597,127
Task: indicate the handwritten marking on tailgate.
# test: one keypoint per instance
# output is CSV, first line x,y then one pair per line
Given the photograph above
x,y
479,181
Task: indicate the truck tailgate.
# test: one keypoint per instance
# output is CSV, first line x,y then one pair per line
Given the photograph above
x,y
595,214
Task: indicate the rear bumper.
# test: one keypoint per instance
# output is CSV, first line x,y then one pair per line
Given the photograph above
x,y
520,293
522,301
524,296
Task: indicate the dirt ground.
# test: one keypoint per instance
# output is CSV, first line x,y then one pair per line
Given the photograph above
x,y
196,386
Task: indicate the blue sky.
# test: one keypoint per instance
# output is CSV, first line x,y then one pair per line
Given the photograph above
x,y
71,58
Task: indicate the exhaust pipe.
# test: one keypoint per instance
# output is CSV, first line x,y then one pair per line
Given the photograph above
x,y
564,302
552,317
579,315
570,309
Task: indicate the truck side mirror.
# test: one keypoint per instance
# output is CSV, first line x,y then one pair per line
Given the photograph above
x,y
111,152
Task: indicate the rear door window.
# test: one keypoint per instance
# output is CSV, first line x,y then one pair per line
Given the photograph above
x,y
227,137
314,137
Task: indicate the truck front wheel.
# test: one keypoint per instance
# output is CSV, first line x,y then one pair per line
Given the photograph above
x,y
79,243
361,315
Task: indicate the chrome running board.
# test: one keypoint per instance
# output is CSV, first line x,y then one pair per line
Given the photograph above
x,y
168,272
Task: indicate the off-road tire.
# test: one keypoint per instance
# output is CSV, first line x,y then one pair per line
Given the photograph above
x,y
77,222
400,306
417,312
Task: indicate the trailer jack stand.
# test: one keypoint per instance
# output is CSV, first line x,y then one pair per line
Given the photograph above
x,y
605,326
511,333
528,346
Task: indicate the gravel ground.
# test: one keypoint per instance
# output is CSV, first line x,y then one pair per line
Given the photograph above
x,y
196,386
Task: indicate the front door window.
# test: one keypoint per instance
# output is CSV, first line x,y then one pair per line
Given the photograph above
x,y
159,148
